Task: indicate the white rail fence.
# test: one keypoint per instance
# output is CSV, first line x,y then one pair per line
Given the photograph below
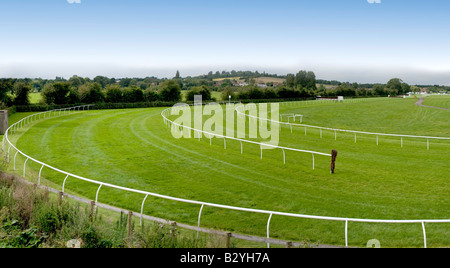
x,y
202,205
262,145
336,130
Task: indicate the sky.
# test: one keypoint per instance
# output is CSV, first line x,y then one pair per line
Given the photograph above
x,y
344,40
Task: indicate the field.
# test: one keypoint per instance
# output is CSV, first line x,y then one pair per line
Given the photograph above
x,y
134,148
438,101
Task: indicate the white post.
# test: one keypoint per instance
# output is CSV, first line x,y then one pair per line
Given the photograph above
x,y
142,209
424,234
314,165
15,160
24,167
346,233
8,152
284,156
40,171
428,144
64,183
268,230
96,195
199,217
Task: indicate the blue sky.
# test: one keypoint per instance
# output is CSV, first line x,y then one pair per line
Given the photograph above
x,y
346,40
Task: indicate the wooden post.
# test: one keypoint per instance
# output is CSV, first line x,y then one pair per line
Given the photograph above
x,y
130,219
60,197
92,210
228,240
334,154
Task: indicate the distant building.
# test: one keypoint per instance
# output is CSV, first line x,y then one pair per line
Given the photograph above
x,y
261,85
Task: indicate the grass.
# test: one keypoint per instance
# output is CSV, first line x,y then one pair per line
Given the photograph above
x,y
438,101
35,98
34,218
133,148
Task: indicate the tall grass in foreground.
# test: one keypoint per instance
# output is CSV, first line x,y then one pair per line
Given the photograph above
x,y
32,218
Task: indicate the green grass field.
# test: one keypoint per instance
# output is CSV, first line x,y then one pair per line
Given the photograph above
x,y
438,101
133,148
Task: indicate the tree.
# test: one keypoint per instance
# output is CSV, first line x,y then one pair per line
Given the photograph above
x,y
21,91
133,94
310,82
76,81
394,86
201,90
56,93
102,80
170,91
290,80
114,94
6,86
379,90
91,93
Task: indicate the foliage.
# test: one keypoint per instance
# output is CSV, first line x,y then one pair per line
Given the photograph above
x,y
170,91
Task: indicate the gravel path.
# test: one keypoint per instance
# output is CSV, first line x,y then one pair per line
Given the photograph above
x,y
420,103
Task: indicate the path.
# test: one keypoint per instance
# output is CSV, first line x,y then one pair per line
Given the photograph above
x,y
420,103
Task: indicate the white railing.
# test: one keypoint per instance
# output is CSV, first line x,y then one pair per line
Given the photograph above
x,y
336,130
146,194
262,145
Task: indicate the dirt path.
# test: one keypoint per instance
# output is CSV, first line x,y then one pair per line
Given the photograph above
x,y
420,103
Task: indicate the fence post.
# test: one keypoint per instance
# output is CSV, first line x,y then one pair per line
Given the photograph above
x,y
199,218
130,219
228,240
24,167
346,233
142,209
98,190
424,234
92,211
15,160
268,229
40,171
334,154
60,197
64,183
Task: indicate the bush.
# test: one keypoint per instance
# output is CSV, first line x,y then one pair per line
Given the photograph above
x,y
170,91
56,93
21,91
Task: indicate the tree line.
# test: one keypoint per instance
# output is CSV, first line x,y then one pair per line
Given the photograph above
x,y
101,89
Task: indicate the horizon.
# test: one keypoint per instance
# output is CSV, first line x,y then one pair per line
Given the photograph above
x,y
354,40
